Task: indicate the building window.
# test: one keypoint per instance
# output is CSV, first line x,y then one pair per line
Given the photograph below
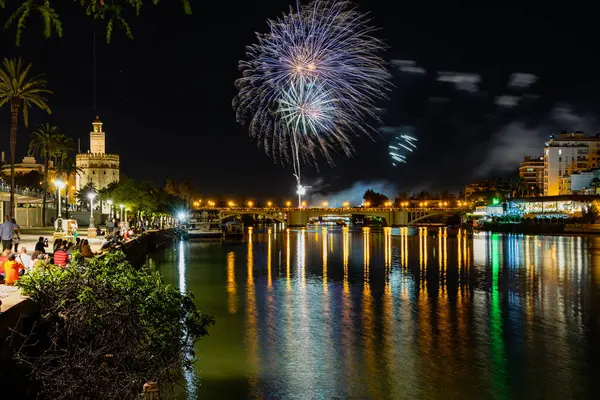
x,y
104,172
93,172
559,158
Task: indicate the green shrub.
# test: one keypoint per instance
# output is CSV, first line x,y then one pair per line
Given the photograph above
x,y
105,328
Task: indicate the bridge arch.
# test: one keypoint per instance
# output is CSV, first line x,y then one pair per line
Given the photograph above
x,y
274,215
432,214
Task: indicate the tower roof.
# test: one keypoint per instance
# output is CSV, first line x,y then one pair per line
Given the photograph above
x,y
97,120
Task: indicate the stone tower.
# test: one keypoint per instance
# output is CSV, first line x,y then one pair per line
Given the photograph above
x,y
96,165
97,138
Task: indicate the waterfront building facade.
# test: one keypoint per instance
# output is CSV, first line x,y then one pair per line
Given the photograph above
x,y
566,154
480,186
96,165
532,173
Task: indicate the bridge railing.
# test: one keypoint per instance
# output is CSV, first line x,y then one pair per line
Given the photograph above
x,y
339,209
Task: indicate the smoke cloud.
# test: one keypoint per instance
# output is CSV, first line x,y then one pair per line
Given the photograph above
x,y
516,139
354,194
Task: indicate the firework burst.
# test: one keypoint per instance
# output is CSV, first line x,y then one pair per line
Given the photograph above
x,y
311,82
400,146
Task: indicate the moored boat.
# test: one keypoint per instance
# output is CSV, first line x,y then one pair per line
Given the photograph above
x,y
204,224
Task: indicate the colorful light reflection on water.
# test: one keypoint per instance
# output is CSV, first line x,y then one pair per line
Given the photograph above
x,y
394,313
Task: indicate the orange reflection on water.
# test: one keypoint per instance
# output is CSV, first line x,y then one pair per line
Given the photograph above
x,y
324,253
301,257
368,322
269,282
366,258
287,261
387,237
345,255
404,247
232,300
251,320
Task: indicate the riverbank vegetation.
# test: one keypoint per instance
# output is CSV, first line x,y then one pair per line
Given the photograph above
x,y
105,328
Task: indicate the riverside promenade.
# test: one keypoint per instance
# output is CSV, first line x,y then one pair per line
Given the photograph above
x,y
10,295
30,236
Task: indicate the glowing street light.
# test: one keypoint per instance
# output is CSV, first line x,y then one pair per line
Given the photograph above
x,y
59,185
324,204
231,204
346,204
91,196
250,204
269,204
300,191
288,204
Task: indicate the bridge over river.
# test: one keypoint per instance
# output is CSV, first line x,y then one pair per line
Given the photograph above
x,y
295,217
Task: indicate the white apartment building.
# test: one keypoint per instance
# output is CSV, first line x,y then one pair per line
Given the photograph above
x,y
565,154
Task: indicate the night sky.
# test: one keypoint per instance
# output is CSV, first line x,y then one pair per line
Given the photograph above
x,y
165,97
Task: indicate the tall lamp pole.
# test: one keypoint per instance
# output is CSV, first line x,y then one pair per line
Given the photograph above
x,y
110,208
91,226
59,223
91,196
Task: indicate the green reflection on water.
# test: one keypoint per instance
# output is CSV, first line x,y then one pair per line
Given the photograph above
x,y
390,314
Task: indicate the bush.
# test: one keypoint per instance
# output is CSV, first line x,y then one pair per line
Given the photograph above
x,y
106,328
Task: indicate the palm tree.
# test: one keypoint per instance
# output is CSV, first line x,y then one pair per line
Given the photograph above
x,y
68,168
82,194
18,88
45,142
595,184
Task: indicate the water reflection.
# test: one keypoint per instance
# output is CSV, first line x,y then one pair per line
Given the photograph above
x,y
396,313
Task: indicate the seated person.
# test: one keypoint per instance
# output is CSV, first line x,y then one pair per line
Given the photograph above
x,y
13,269
86,249
61,257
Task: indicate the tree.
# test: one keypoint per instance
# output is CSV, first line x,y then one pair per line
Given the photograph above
x,y
375,199
82,194
44,142
595,184
112,12
105,328
22,91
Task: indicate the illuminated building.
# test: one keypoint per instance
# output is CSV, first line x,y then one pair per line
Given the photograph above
x,y
481,186
532,173
97,167
566,154
28,165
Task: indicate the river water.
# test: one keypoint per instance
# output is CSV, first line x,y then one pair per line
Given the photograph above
x,y
393,314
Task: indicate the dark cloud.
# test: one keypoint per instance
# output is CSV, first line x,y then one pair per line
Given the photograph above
x,y
462,80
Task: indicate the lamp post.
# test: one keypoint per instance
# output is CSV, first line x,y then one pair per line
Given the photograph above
x,y
110,208
91,227
91,196
121,213
59,185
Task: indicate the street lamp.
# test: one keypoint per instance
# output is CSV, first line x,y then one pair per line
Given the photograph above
x,y
59,185
110,208
288,204
250,204
91,196
269,204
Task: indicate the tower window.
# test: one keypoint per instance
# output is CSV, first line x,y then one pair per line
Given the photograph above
x,y
104,172
93,172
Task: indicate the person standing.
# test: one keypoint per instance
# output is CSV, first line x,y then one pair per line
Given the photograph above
x,y
6,233
16,237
